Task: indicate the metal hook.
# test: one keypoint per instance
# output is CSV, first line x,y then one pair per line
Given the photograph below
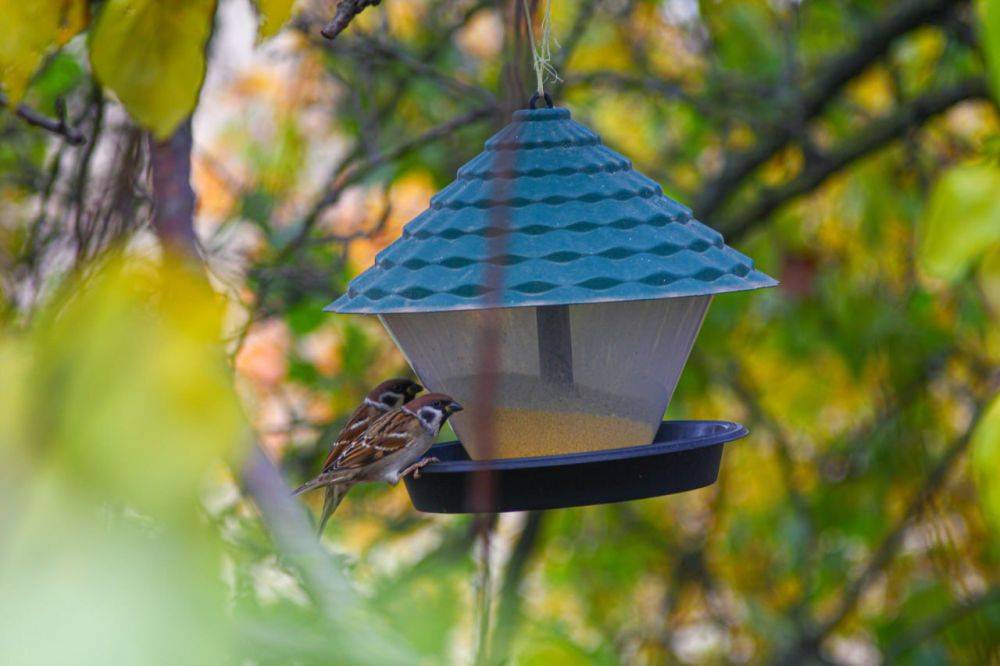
x,y
534,100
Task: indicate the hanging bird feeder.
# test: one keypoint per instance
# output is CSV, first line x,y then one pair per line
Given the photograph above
x,y
604,283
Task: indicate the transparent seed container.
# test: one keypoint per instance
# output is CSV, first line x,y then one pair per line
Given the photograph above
x,y
571,378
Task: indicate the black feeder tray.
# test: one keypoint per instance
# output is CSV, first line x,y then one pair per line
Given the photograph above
x,y
685,455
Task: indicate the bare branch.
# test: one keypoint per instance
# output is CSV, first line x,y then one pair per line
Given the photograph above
x,y
827,82
346,11
370,232
934,625
370,640
879,134
808,645
786,464
353,175
57,125
393,52
509,604
584,15
664,88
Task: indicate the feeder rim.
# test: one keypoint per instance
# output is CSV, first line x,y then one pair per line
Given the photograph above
x,y
348,308
727,432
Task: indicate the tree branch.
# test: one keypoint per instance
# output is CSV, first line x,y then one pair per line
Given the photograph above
x,y
57,125
355,174
173,196
879,133
827,82
346,11
809,644
366,46
584,14
509,604
922,631
621,81
366,639
786,464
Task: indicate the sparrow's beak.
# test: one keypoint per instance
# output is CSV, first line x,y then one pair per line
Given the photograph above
x,y
454,407
417,388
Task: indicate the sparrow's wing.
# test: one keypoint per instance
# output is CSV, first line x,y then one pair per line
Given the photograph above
x,y
363,417
390,433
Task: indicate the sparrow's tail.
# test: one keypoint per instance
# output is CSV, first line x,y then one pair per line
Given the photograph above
x,y
306,487
324,479
334,496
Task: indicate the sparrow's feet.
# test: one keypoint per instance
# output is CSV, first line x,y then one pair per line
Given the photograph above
x,y
414,469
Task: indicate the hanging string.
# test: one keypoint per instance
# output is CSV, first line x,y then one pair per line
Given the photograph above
x,y
541,53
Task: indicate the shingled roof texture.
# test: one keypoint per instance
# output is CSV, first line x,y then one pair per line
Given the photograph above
x,y
582,225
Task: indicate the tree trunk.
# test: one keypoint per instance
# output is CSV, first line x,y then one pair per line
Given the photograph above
x,y
173,196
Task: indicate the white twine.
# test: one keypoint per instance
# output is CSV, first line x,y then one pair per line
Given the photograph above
x,y
541,54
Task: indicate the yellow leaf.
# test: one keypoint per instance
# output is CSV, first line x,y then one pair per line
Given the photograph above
x,y
273,15
961,221
30,29
151,54
127,391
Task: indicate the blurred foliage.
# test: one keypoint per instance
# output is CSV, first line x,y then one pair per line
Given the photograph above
x,y
117,404
150,54
989,14
857,524
30,30
963,198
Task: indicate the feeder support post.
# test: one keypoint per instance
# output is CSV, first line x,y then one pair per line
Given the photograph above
x,y
555,344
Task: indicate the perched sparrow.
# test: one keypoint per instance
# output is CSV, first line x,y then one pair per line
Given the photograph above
x,y
389,449
388,395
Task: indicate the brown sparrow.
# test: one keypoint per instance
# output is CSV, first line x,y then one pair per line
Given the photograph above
x,y
390,448
388,395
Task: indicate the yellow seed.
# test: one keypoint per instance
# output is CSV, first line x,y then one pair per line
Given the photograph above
x,y
523,433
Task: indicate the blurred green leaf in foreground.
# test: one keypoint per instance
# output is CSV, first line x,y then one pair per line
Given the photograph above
x,y
962,220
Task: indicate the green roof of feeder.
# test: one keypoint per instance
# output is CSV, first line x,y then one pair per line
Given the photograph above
x,y
581,226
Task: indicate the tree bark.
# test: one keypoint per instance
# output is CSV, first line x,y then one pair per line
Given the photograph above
x,y
173,196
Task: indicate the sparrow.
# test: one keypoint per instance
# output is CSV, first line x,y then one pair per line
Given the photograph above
x,y
388,395
390,449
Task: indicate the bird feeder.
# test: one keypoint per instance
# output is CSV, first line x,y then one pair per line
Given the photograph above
x,y
596,283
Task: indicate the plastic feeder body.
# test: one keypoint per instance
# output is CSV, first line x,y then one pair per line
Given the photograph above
x,y
569,377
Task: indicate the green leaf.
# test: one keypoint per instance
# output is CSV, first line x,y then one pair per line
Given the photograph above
x,y
257,206
28,32
60,75
306,316
151,54
989,17
273,15
986,462
961,221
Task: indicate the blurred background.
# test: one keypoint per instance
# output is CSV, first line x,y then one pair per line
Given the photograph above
x,y
851,147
